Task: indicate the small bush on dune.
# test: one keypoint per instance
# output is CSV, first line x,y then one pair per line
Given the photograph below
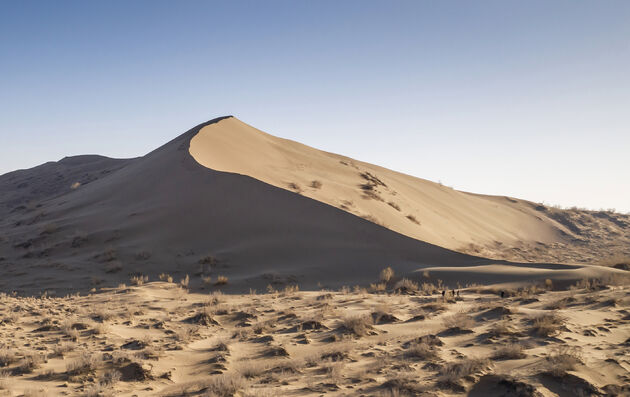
x,y
563,358
452,373
29,363
316,184
422,351
84,364
548,324
252,368
7,357
165,277
406,285
359,325
500,328
221,280
185,281
460,320
394,205
139,280
378,287
62,348
386,274
226,385
510,351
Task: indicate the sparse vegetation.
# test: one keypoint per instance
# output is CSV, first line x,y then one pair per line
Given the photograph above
x,y
318,343
165,277
453,373
511,351
316,184
406,285
547,324
563,358
138,280
460,321
413,219
358,325
386,274
394,205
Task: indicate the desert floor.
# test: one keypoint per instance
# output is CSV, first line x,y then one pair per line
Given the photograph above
x,y
158,339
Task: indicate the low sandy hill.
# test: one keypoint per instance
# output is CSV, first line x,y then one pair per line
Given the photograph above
x,y
167,213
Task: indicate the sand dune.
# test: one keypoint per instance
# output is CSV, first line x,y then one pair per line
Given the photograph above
x,y
415,207
234,222
89,221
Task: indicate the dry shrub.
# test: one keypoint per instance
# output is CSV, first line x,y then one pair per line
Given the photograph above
x,y
252,368
316,184
103,314
394,205
403,384
429,288
422,351
84,364
226,385
452,373
62,348
383,314
337,352
563,358
110,378
289,290
386,274
216,297
406,285
500,328
185,281
7,357
295,187
207,280
98,390
378,287
221,280
359,325
29,363
559,303
100,328
511,351
548,324
413,219
138,280
459,320
165,277
333,371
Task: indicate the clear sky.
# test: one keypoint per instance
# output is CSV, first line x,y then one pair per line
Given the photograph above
x,y
522,98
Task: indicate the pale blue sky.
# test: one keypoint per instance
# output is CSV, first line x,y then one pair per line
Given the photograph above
x,y
523,98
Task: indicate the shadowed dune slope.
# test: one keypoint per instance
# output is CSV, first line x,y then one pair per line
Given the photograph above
x,y
165,212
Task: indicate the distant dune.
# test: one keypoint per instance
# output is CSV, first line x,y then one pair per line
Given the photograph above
x,y
227,199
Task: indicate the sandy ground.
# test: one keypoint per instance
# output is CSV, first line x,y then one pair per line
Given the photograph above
x,y
395,339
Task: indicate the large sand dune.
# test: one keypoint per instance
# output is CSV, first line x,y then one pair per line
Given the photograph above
x,y
218,200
